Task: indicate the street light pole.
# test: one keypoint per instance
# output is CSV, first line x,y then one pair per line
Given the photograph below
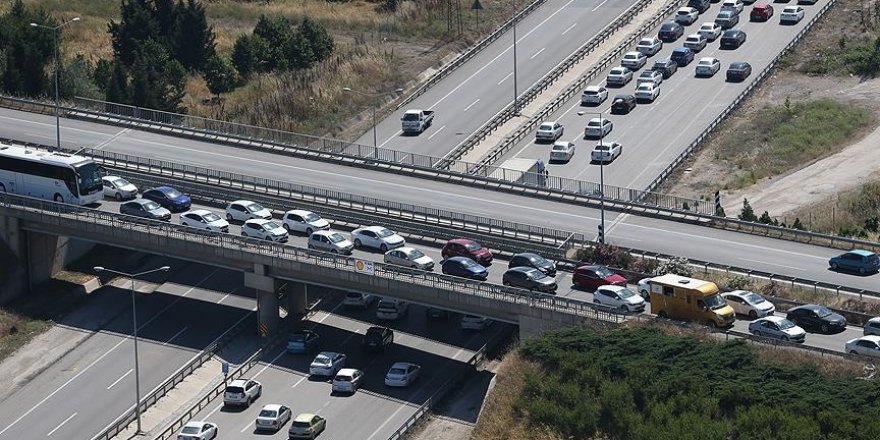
x,y
515,85
373,104
55,40
601,237
134,333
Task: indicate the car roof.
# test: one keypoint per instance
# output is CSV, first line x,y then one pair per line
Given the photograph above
x,y
163,189
238,382
139,201
708,59
861,252
619,68
272,406
523,269
460,240
761,5
874,319
593,88
459,258
773,319
377,328
347,371
402,364
195,423
258,221
374,228
812,307
298,211
304,417
329,354
612,288
736,293
635,53
243,202
201,212
624,96
326,233
739,64
873,338
680,49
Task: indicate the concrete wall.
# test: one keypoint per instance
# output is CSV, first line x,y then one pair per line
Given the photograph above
x,y
13,255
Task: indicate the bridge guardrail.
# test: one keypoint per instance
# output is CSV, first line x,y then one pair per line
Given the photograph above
x,y
160,391
738,100
509,111
485,164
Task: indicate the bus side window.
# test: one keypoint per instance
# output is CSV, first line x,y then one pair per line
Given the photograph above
x,y
667,291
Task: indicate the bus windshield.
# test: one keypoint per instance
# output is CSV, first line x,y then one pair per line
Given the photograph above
x,y
89,178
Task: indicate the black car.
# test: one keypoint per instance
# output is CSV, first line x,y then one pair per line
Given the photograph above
x,y
623,104
528,259
168,197
378,338
700,5
816,318
146,209
435,313
732,39
738,71
665,66
670,31
529,278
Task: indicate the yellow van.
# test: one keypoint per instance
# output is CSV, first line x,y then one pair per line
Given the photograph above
x,y
689,299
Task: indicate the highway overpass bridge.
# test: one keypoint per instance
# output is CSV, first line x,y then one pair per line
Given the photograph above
x,y
35,229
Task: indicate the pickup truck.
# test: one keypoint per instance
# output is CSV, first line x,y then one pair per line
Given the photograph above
x,y
416,121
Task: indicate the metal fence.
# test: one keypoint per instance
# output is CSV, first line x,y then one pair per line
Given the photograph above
x,y
525,129
121,423
738,100
539,87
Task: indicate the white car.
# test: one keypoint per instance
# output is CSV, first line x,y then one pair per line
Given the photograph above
x,y
347,380
647,92
619,76
562,151
594,95
710,30
686,16
300,220
357,299
471,322
650,76
264,230
695,42
777,327
619,297
402,374
327,364
306,426
549,131
118,188
749,303
241,210
634,60
409,257
708,66
204,219
645,288
273,416
606,151
791,15
597,128
872,327
649,46
733,5
865,346
242,392
198,431
330,241
377,237
391,309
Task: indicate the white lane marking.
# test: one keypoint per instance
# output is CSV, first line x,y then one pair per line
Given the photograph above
x,y
599,5
226,296
247,426
62,424
435,133
772,264
505,78
472,104
120,379
537,53
112,138
175,336
62,386
569,28
299,381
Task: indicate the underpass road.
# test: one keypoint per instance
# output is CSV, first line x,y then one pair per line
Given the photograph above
x,y
90,387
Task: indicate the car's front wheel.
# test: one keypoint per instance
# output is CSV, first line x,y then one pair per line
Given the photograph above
x,y
753,314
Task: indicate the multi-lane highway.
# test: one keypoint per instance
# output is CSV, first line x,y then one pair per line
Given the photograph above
x,y
87,389
476,91
668,237
654,134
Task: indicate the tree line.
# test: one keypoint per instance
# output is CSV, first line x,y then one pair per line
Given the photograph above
x,y
157,46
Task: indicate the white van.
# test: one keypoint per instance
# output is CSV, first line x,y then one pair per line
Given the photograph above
x,y
391,309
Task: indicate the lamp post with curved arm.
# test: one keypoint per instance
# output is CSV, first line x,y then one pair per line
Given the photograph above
x,y
54,30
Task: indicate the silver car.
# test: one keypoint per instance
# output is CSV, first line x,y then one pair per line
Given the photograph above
x,y
300,220
634,60
649,46
402,374
619,76
549,131
606,152
597,128
347,380
562,151
594,95
273,417
409,257
777,327
330,241
242,210
118,188
327,364
264,230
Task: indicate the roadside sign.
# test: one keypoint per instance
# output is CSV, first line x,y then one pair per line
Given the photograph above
x,y
477,6
225,368
364,266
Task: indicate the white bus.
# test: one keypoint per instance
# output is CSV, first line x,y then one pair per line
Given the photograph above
x,y
61,177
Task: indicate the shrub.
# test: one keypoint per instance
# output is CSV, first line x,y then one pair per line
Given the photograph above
x,y
605,254
738,282
676,265
747,213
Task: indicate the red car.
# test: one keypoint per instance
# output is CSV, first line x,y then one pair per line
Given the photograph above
x,y
595,276
761,12
463,247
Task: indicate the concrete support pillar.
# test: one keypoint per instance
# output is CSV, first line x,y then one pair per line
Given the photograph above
x,y
267,299
297,298
13,255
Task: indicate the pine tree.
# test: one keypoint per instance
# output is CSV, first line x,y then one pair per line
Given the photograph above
x,y
220,75
157,80
298,52
193,40
77,79
747,213
117,89
244,58
278,33
318,38
137,24
765,218
797,224
28,50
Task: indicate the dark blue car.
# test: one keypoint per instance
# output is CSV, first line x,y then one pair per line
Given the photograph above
x,y
465,267
682,56
857,260
168,197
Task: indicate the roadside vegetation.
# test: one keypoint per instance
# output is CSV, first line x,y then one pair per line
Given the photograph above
x,y
375,48
660,382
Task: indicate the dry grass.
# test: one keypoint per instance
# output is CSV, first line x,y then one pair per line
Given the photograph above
x,y
827,365
17,330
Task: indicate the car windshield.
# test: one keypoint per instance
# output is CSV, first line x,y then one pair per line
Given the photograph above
x,y
591,92
410,116
190,430
823,311
397,371
467,262
272,225
235,390
211,217
268,413
173,193
311,217
715,302
301,425
560,147
322,360
473,246
382,233
341,378
415,253
537,274
120,182
625,293
753,298
594,123
151,206
253,207
89,177
546,127
785,324
336,237
602,148
298,337
604,272
705,63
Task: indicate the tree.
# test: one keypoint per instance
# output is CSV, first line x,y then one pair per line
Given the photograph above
x,y
244,56
137,24
157,80
277,32
220,75
102,74
298,52
77,79
318,38
766,219
719,211
117,88
797,224
747,213
28,50
193,40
